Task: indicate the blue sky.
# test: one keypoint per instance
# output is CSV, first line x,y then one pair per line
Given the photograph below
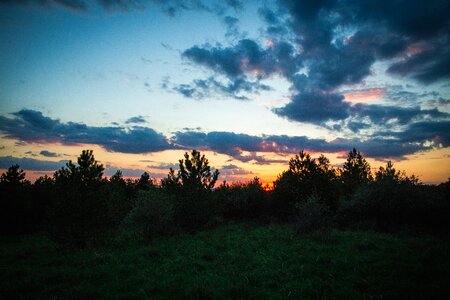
x,y
251,83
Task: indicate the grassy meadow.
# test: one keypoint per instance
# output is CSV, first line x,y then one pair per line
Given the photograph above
x,y
237,261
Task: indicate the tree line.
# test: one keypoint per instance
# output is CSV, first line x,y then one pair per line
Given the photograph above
x,y
78,203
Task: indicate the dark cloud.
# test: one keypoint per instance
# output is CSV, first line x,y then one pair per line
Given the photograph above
x,y
426,131
49,154
123,5
239,64
110,170
391,145
315,107
136,120
210,87
335,44
381,114
233,170
170,7
31,163
383,29
246,58
232,26
75,5
276,26
357,126
418,133
443,102
430,64
31,126
164,166
235,4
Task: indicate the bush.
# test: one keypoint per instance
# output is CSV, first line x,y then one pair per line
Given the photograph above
x,y
312,216
306,176
197,210
243,201
389,206
153,214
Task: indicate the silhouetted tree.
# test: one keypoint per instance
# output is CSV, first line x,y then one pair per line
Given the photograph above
x,y
145,183
304,178
356,171
78,210
14,176
389,174
16,210
192,185
194,174
42,191
117,197
117,178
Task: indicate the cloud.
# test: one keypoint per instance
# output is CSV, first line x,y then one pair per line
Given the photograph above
x,y
315,107
420,130
232,27
245,147
233,170
245,58
30,126
170,7
49,154
429,64
424,132
122,5
31,163
136,120
210,87
329,45
127,172
382,114
75,5
164,166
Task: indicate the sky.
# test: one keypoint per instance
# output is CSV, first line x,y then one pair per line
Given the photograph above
x,y
248,83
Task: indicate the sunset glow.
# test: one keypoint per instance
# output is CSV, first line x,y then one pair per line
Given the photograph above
x,y
249,85
362,96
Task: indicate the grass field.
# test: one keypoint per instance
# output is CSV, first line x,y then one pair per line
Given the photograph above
x,y
230,262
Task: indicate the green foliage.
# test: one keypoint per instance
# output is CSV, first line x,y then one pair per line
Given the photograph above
x,y
153,214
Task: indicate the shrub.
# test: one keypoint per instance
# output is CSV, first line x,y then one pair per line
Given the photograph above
x,y
312,215
153,213
306,176
243,200
390,206
197,210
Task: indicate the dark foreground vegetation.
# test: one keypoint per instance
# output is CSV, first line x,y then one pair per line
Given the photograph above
x,y
230,262
322,232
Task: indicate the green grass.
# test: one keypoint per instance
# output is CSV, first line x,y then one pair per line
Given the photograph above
x,y
230,262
